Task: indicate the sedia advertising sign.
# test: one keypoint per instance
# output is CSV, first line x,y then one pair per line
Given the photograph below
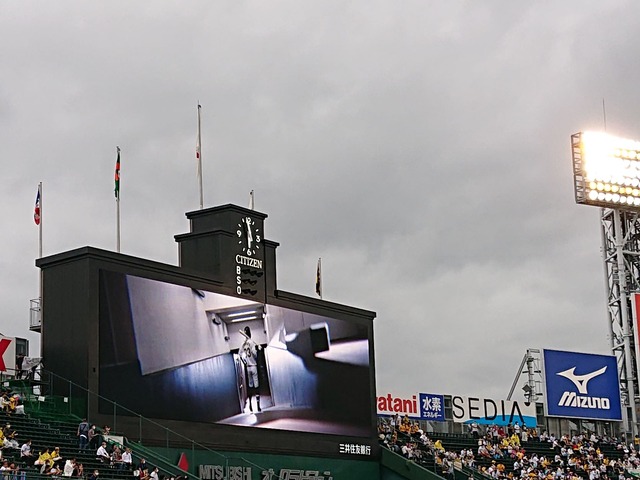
x,y
487,411
581,385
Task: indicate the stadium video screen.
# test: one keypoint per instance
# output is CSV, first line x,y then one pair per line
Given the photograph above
x,y
172,352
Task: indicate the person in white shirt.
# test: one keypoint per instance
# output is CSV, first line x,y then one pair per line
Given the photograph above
x,y
69,467
25,452
102,454
127,459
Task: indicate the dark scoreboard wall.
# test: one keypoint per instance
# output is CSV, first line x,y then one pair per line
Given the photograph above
x,y
163,341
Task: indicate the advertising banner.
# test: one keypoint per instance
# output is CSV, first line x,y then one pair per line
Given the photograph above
x,y
7,354
419,406
581,385
210,465
486,411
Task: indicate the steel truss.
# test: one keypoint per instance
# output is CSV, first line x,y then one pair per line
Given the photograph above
x,y
621,255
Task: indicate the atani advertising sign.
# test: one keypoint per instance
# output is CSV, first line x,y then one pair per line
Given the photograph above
x,y
581,385
423,406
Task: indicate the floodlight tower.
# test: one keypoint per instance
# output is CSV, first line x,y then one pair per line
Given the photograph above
x,y
606,173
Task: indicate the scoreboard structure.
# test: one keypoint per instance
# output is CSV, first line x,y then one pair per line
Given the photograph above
x,y
165,342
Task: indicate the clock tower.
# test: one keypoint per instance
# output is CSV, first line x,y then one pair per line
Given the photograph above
x,y
227,244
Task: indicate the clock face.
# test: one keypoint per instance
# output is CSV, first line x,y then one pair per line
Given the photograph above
x,y
249,237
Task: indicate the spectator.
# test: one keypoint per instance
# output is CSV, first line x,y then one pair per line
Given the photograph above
x,y
516,428
53,471
94,475
475,430
8,402
83,434
93,438
17,474
19,360
116,457
44,460
69,467
56,457
9,437
26,455
143,465
102,454
127,460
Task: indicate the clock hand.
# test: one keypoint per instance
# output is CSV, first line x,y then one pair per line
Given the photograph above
x,y
249,234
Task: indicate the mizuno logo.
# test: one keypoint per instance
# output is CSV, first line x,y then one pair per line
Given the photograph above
x,y
572,399
580,381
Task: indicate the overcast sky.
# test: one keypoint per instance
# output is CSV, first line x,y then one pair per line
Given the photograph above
x,y
420,148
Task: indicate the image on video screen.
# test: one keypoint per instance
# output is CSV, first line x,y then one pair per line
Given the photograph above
x,y
172,352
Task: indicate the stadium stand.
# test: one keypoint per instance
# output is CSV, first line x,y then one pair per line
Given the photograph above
x,y
488,456
50,428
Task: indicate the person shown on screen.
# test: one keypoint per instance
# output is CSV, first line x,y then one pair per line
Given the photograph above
x,y
249,357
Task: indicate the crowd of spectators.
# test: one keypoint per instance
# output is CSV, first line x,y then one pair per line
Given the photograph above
x,y
11,402
114,455
501,452
18,460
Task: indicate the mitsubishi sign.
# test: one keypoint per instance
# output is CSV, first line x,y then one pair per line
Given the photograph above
x,y
581,385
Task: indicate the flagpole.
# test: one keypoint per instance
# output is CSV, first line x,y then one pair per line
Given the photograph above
x,y
251,201
199,158
40,287
118,224
117,191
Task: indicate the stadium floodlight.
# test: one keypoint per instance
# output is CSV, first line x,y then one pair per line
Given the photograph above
x,y
606,170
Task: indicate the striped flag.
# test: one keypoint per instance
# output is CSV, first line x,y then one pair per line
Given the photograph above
x,y
116,189
36,211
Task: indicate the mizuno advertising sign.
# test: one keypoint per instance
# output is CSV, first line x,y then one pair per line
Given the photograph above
x,y
581,385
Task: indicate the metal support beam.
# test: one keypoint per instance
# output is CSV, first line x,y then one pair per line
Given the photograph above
x,y
620,248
